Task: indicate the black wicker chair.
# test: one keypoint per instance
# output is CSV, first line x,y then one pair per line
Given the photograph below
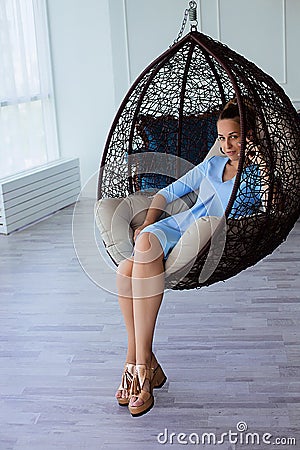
x,y
172,109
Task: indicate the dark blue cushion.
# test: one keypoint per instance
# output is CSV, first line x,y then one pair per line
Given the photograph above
x,y
160,134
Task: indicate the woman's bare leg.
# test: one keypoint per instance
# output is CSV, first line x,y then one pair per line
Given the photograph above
x,y
147,290
126,307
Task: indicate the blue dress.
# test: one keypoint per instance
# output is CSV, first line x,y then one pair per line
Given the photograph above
x,y
212,200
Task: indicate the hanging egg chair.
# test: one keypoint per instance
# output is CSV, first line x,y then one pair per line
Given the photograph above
x,y
166,124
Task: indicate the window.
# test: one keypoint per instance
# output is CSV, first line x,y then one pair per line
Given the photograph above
x,y
28,136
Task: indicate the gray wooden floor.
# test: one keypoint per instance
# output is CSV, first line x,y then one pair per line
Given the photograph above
x,y
231,352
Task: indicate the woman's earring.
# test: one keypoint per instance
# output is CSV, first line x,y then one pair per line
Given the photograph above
x,y
221,151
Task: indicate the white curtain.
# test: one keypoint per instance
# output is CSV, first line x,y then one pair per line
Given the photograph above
x,y
28,136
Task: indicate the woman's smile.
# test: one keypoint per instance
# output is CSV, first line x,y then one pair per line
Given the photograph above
x,y
232,153
229,138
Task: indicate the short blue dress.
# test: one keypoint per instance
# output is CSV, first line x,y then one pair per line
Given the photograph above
x,y
212,200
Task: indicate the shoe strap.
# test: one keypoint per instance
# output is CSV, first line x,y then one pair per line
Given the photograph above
x,y
127,376
142,372
152,368
130,368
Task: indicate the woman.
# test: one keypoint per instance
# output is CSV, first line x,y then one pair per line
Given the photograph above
x,y
140,279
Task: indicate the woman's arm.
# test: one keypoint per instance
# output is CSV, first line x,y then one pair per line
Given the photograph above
x,y
155,209
185,184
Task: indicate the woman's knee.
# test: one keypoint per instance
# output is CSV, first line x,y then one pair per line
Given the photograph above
x,y
124,273
125,268
147,248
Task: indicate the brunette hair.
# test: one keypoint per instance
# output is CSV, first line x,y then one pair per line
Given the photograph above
x,y
231,111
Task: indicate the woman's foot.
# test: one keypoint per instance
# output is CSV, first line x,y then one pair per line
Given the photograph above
x,y
123,392
145,380
141,399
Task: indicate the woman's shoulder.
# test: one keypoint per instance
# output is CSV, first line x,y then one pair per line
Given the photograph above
x,y
216,161
216,158
211,165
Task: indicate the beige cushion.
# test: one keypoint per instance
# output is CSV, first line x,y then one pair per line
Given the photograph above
x,y
189,245
118,218
113,217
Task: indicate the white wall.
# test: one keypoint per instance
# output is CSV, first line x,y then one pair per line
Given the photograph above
x,y
100,46
83,78
265,31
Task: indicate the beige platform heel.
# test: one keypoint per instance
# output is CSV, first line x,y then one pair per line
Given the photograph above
x,y
156,379
142,374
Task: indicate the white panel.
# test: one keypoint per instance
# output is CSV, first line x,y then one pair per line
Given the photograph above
x,y
121,54
16,214
45,183
156,28
256,30
293,50
39,173
83,76
266,32
209,16
32,195
50,208
149,27
37,198
3,228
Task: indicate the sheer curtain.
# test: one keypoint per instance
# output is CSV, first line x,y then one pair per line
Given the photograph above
x,y
28,136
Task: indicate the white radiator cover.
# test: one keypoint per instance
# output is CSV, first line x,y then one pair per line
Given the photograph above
x,y
31,195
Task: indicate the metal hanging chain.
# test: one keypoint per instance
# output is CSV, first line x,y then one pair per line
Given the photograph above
x,y
192,13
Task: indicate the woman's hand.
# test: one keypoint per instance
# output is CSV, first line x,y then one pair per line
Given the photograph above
x,y
139,229
157,206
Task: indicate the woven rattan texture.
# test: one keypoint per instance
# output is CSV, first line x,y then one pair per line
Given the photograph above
x,y
166,124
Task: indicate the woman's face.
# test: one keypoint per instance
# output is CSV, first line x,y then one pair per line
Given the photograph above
x,y
229,138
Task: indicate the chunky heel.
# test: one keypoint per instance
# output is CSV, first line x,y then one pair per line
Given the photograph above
x,y
159,377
